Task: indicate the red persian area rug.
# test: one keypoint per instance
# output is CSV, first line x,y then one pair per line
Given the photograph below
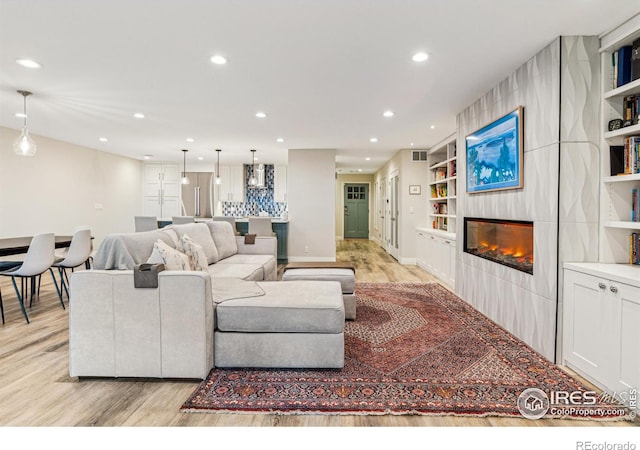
x,y
414,349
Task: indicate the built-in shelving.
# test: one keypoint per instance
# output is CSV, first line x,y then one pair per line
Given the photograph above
x,y
616,225
442,160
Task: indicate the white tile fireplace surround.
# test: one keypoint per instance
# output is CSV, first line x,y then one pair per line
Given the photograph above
x,y
558,89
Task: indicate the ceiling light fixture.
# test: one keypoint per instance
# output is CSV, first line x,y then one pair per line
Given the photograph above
x,y
420,57
432,127
373,139
190,140
24,145
21,115
280,139
388,113
367,159
252,179
200,158
103,139
184,179
30,63
147,156
138,116
218,59
218,179
261,115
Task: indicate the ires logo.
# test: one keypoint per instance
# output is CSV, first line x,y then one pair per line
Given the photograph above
x,y
583,398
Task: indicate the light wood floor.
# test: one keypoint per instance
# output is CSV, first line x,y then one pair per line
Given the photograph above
x,y
36,390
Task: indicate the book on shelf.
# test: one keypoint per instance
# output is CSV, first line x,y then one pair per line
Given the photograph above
x,y
452,168
616,159
635,205
622,65
630,110
632,155
442,209
434,191
634,248
635,60
442,190
440,173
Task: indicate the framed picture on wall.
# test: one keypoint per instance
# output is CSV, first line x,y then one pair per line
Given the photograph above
x,y
414,189
495,154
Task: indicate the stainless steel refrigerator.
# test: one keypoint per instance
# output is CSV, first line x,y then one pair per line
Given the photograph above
x,y
197,196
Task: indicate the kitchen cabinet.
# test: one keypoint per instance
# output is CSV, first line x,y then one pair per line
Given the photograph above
x,y
161,190
232,188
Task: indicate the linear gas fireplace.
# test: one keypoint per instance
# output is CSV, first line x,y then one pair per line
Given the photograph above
x,y
507,242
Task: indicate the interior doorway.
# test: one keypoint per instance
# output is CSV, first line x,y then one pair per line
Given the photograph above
x,y
356,211
393,215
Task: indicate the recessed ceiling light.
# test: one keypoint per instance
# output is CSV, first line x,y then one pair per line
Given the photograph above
x,y
411,144
138,116
200,158
21,115
374,139
190,140
420,57
388,114
367,159
31,64
218,59
280,139
148,156
432,127
103,139
261,115
359,170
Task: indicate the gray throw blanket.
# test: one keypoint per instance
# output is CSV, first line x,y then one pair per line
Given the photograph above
x,y
125,251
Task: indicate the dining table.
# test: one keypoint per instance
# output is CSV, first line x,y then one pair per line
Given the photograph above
x,y
20,245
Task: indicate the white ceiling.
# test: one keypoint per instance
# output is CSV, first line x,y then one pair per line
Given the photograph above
x,y
323,70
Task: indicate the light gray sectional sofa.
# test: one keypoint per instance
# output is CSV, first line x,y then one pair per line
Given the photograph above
x,y
234,314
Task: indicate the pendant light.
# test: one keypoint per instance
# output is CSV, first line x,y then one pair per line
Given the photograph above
x,y
252,180
184,179
24,145
218,179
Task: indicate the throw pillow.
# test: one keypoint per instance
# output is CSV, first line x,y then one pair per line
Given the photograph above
x,y
199,233
195,252
172,258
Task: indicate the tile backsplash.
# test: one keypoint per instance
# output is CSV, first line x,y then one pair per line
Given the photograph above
x,y
257,200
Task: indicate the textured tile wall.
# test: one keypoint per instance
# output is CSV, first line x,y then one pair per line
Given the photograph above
x,y
559,89
256,200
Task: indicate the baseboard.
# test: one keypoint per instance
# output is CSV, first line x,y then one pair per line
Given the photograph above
x,y
339,238
311,259
408,261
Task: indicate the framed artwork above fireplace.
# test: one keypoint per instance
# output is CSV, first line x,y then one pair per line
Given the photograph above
x,y
495,154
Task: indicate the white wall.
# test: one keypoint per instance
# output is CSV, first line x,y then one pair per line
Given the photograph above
x,y
311,200
59,188
413,208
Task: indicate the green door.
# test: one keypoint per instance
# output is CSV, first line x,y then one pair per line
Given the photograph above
x,y
356,211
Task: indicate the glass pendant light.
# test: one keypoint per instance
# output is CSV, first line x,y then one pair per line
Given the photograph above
x,y
24,145
184,179
252,180
218,179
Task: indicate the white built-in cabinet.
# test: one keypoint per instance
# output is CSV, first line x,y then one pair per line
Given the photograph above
x,y
232,188
442,161
601,324
161,190
436,253
280,183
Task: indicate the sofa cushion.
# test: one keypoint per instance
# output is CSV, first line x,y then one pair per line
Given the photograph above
x,y
195,252
293,307
224,238
199,232
172,258
346,277
269,263
249,272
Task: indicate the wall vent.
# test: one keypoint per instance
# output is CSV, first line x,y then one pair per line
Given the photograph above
x,y
419,155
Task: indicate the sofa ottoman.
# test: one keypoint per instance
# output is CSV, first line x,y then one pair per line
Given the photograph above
x,y
290,325
344,273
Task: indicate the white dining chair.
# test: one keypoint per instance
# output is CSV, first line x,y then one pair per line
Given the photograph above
x,y
231,220
78,255
260,226
182,219
39,259
146,223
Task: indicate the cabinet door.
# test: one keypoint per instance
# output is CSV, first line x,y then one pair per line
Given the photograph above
x,y
222,189
629,374
170,207
236,187
421,244
451,271
152,206
171,180
430,249
152,180
590,319
280,184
